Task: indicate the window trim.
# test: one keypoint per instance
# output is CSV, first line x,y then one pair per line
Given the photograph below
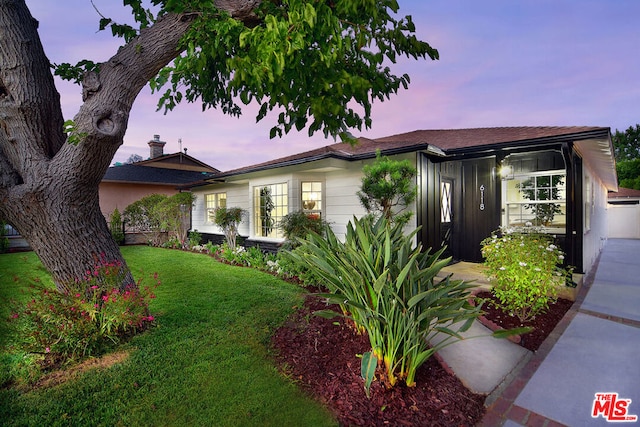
x,y
281,204
521,202
216,204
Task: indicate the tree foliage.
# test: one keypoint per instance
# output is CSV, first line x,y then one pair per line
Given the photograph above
x,y
134,158
228,219
626,145
388,187
158,213
318,65
115,225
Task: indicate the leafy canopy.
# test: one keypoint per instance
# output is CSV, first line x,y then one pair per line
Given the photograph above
x,y
627,153
310,61
626,144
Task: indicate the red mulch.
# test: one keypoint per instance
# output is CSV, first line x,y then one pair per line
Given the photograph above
x,y
542,325
320,355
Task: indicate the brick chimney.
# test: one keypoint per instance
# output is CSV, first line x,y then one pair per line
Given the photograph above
x,y
156,146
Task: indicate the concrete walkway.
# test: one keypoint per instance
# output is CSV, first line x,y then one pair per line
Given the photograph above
x,y
594,349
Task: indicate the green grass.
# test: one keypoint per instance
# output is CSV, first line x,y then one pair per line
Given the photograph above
x,y
206,363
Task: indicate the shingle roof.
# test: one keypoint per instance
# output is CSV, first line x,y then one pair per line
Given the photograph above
x,y
456,139
151,175
624,193
449,141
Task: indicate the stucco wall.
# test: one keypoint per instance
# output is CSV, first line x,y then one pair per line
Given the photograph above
x,y
120,195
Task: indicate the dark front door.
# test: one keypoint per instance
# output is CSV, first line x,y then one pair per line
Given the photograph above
x,y
460,205
480,206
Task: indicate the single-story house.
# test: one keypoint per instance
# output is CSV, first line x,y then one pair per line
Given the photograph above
x,y
160,174
470,182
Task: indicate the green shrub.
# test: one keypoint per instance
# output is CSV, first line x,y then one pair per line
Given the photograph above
x,y
292,264
388,287
297,225
61,327
228,219
248,257
194,238
388,188
4,241
115,226
524,266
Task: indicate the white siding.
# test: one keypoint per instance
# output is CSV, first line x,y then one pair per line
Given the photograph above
x,y
237,196
342,201
595,237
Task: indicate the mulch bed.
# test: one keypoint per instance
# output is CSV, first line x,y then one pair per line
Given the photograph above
x,y
321,356
542,325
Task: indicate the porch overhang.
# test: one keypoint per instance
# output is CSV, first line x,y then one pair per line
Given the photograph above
x,y
599,156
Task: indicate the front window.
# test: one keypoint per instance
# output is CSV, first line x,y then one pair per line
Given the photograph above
x,y
271,204
538,198
214,201
312,198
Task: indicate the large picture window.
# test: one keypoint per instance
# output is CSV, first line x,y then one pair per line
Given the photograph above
x,y
212,202
271,204
538,198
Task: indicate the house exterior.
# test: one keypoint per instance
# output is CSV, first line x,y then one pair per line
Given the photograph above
x,y
470,182
160,174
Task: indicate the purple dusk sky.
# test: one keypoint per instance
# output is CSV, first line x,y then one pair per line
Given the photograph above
x,y
502,63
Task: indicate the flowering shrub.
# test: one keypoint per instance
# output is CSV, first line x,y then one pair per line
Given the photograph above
x,y
85,319
248,257
525,268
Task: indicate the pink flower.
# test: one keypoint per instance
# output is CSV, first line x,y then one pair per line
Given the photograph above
x,y
150,318
47,350
14,316
77,295
94,287
105,298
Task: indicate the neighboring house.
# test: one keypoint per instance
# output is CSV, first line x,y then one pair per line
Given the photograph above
x,y
624,214
470,182
161,174
127,183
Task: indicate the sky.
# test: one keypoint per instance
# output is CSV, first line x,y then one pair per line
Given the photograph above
x,y
502,63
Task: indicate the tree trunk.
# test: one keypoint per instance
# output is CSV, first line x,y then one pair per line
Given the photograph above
x,y
48,186
68,232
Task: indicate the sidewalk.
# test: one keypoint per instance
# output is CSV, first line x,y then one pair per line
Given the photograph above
x,y
594,349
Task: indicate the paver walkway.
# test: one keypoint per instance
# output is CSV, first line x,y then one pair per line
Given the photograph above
x,y
593,350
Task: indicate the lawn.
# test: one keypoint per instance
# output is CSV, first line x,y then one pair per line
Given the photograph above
x,y
207,362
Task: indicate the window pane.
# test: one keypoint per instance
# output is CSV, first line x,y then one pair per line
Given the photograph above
x,y
312,196
213,202
270,206
529,199
445,202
